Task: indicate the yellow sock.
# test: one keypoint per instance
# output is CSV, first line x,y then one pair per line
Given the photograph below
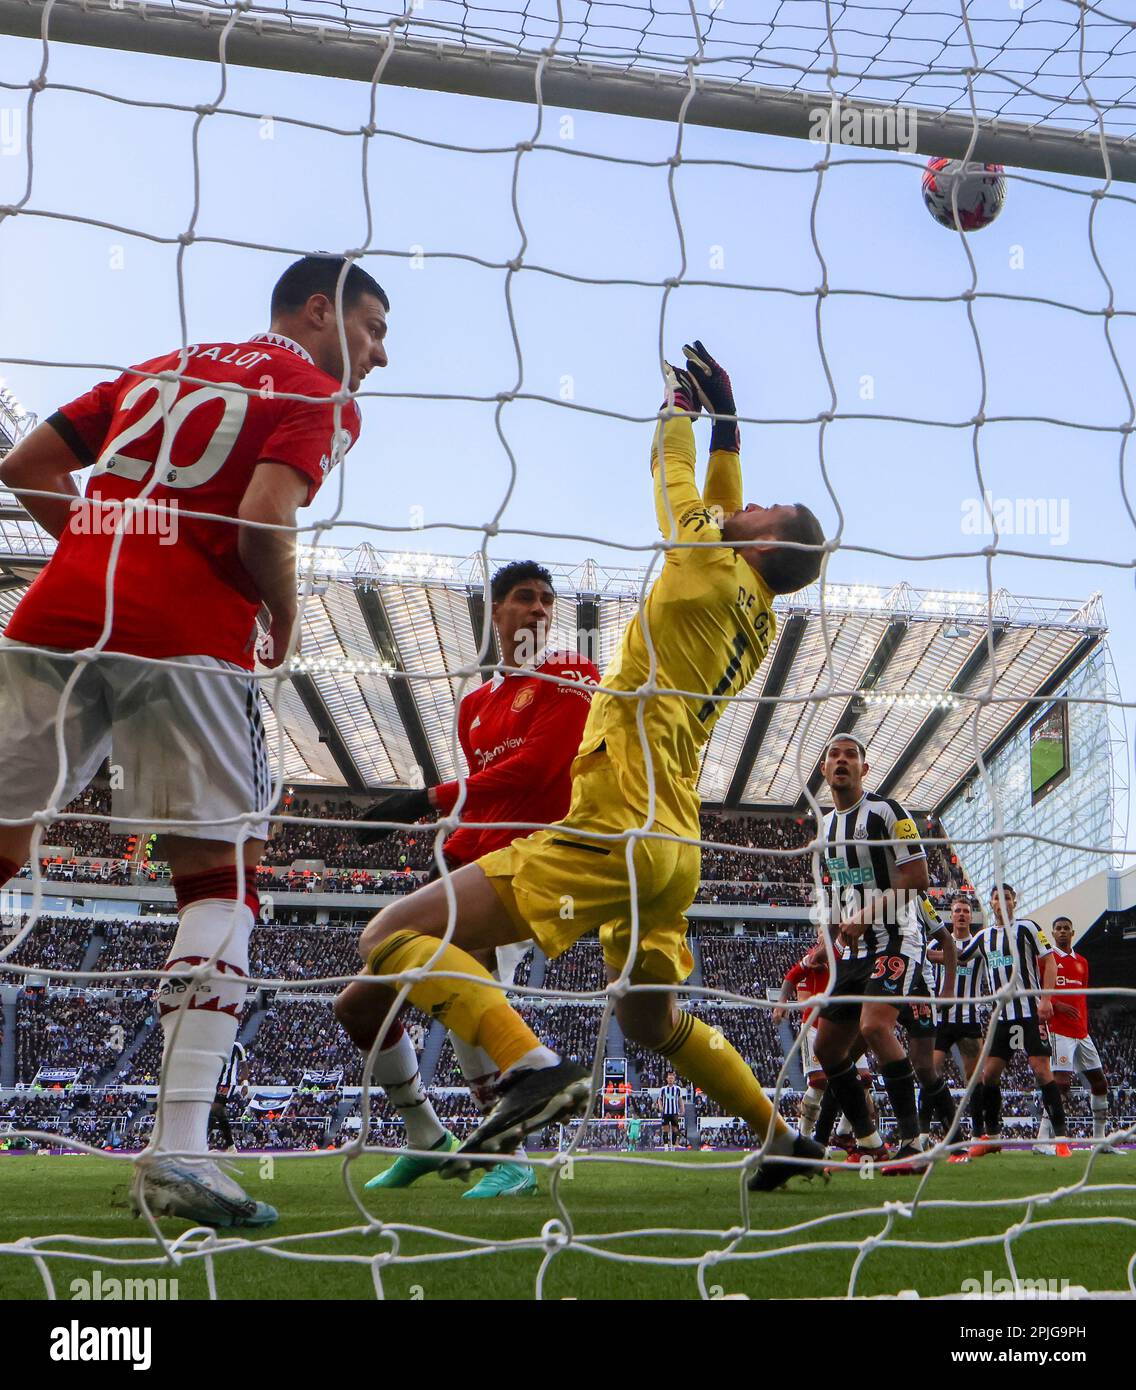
x,y
476,1012
702,1055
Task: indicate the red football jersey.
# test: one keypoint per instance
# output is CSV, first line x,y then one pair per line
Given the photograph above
x,y
812,978
1072,974
179,586
519,736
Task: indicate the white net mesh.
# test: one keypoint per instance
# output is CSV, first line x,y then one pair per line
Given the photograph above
x,y
906,364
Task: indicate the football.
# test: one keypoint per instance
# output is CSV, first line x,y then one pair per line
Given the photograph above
x,y
981,191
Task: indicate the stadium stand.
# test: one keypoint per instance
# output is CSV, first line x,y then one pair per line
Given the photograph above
x,y
84,1059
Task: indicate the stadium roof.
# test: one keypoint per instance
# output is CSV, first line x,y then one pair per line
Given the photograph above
x,y
391,640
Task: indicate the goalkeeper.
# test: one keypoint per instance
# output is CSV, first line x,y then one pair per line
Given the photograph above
x,y
708,623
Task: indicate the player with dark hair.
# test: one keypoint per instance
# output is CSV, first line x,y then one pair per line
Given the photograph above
x,y
171,601
878,870
519,731
321,275
961,1024
707,624
1067,972
1012,948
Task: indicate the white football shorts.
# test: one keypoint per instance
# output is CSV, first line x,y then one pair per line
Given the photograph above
x,y
1073,1054
185,740
809,1063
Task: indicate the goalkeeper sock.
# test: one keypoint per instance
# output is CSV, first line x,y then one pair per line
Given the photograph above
x,y
8,869
844,1087
992,1108
899,1082
703,1056
829,1109
1054,1107
395,1069
1045,1129
1100,1115
810,1111
472,1008
200,1024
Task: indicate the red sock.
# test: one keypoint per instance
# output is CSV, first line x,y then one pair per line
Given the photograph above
x,y
8,869
216,883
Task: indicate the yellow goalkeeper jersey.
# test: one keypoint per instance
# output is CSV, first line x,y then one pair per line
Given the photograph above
x,y
711,622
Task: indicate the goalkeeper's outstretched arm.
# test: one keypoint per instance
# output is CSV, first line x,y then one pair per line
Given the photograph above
x,y
680,508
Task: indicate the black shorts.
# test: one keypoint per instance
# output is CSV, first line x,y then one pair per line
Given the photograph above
x,y
920,1020
893,971
674,1120
1025,1035
951,1033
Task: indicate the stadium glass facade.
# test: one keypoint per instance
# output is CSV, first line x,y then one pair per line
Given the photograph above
x,y
1078,811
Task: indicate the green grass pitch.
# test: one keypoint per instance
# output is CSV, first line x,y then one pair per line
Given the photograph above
x,y
87,1196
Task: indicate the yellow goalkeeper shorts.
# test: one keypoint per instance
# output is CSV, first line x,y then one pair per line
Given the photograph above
x,y
559,887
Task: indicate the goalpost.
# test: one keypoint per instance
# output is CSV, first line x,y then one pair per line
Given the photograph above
x,y
1044,90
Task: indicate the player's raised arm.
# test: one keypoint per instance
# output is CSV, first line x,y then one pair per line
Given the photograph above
x,y
681,513
722,491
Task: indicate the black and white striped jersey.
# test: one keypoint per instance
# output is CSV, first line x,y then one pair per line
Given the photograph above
x,y
231,1074
998,946
970,980
863,847
671,1100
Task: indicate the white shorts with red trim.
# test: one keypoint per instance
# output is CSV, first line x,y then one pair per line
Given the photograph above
x,y
809,1063
1073,1054
185,741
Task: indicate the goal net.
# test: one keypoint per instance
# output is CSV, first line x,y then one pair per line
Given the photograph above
x,y
558,196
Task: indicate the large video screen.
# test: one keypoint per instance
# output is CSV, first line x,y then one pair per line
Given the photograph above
x,y
1049,751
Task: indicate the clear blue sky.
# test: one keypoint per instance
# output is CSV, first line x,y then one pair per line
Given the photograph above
x,y
902,487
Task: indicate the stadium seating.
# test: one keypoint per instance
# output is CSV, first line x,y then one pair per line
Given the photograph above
x,y
111,1036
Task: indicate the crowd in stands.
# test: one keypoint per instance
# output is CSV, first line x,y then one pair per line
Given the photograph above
x,y
759,863
54,943
303,953
70,1028
763,861
580,969
749,965
298,1035
270,880
135,946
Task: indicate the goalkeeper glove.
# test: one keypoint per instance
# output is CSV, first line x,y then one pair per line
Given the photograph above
x,y
681,383
404,807
712,382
